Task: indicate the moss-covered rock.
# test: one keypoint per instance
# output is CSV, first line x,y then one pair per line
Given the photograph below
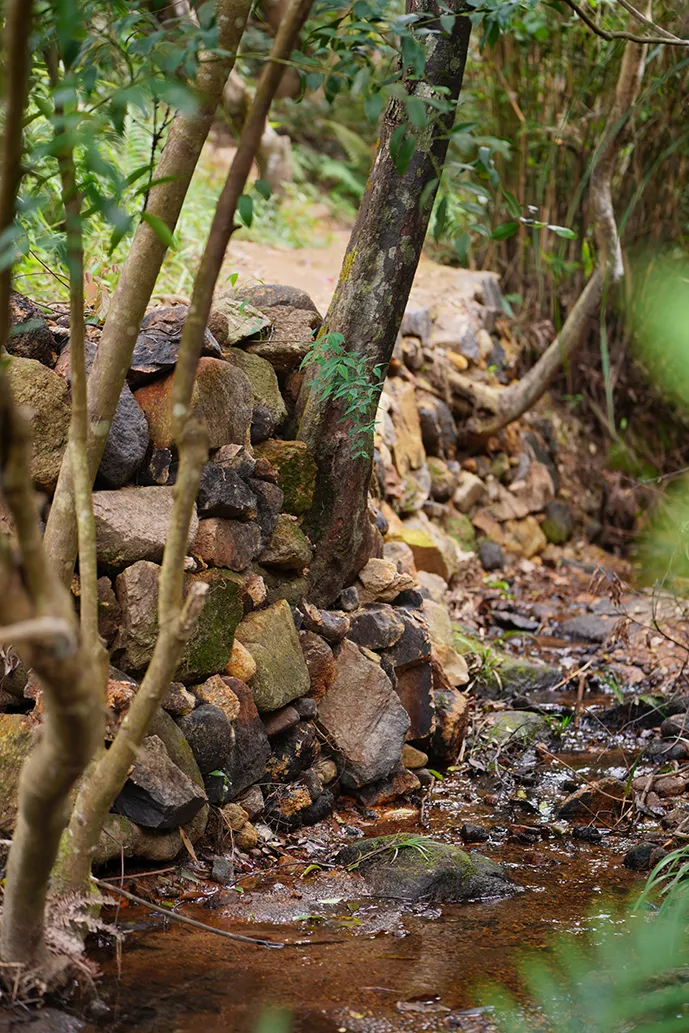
x,y
283,584
412,867
288,548
558,525
296,472
518,726
210,645
209,648
281,673
460,527
16,742
500,675
263,380
46,397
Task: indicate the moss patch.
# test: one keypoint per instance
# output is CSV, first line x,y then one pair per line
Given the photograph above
x,y
210,645
460,527
501,675
16,743
296,472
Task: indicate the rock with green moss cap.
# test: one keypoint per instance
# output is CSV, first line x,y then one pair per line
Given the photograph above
x,y
415,868
281,672
460,527
501,675
288,548
17,735
296,472
263,380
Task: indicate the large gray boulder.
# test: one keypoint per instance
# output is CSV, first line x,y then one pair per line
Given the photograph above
x,y
411,867
127,444
133,524
362,717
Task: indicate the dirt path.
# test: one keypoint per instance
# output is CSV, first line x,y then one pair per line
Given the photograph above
x,y
316,269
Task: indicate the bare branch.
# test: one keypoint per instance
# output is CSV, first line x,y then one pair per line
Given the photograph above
x,y
42,630
663,37
670,36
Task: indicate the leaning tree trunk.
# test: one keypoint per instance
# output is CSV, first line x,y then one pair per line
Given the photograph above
x,y
371,296
510,403
175,614
128,305
36,609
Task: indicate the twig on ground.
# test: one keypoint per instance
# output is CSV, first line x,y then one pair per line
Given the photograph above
x,y
184,920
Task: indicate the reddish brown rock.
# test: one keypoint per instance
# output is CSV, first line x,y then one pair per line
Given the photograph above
x,y
227,543
222,396
319,662
415,690
601,799
400,782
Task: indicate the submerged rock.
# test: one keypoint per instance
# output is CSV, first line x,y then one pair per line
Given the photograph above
x,y
411,867
518,726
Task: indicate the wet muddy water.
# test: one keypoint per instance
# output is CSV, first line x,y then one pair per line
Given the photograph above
x,y
352,962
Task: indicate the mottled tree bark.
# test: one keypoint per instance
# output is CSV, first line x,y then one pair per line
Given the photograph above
x,y
128,305
370,299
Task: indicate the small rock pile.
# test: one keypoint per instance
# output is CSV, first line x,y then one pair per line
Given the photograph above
x,y
276,706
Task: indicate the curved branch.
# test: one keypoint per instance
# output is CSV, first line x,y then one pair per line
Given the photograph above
x,y
663,37
514,401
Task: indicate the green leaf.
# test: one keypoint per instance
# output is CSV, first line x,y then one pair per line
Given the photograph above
x,y
563,231
373,105
245,207
513,205
507,229
263,188
416,109
447,23
461,245
160,228
440,219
